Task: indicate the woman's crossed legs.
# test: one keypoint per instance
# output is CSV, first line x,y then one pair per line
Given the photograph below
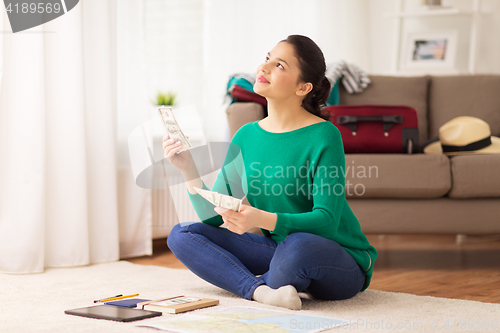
x,y
242,263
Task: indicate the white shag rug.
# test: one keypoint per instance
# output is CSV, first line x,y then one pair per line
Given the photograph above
x,y
36,302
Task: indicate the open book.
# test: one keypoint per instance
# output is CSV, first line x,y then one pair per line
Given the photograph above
x,y
177,304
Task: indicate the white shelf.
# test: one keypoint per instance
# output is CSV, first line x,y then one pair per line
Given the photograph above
x,y
433,71
434,12
430,12
424,12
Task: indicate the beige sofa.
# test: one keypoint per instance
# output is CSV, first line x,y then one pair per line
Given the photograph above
x,y
420,193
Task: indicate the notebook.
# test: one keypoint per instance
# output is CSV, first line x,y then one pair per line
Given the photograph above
x,y
127,303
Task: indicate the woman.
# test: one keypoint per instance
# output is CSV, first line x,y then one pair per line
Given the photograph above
x,y
311,241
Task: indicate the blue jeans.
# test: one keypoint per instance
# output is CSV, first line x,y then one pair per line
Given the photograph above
x,y
241,263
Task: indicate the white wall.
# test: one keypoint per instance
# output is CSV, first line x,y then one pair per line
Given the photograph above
x,y
489,46
173,48
238,35
203,42
381,35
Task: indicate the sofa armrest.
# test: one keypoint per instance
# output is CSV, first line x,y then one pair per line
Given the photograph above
x,y
239,114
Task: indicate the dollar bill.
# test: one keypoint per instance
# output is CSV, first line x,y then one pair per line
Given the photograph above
x,y
220,200
172,127
230,203
207,195
216,198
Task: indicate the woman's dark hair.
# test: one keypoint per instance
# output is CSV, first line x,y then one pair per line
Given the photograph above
x,y
312,68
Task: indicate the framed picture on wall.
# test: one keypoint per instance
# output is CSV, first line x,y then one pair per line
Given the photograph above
x,y
427,50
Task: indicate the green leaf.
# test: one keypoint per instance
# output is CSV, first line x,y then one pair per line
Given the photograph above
x,y
167,98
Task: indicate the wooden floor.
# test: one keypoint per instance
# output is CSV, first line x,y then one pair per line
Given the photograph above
x,y
433,265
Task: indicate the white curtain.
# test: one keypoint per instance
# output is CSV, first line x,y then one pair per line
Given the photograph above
x,y
58,187
133,109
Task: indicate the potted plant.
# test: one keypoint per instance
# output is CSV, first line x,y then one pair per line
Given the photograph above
x,y
167,98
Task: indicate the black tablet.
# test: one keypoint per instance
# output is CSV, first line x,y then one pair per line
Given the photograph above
x,y
112,312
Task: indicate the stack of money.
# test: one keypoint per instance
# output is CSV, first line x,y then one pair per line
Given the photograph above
x,y
172,127
220,200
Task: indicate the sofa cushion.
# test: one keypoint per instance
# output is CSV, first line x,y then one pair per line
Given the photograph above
x,y
475,176
397,176
239,114
394,90
439,216
464,95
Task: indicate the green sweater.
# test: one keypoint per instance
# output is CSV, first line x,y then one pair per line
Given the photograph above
x,y
300,176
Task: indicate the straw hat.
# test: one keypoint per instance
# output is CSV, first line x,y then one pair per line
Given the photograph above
x,y
464,135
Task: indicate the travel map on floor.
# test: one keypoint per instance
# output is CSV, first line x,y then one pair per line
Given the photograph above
x,y
245,319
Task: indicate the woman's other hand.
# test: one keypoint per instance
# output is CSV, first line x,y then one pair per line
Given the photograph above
x,y
246,219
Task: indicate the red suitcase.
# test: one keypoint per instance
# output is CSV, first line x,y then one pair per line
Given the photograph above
x,y
243,95
376,128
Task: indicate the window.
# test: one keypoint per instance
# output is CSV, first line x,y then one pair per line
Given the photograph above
x,y
173,49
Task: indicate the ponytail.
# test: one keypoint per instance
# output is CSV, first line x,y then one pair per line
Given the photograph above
x,y
317,97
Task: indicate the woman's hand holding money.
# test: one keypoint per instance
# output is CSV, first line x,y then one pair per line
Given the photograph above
x,y
246,219
181,161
